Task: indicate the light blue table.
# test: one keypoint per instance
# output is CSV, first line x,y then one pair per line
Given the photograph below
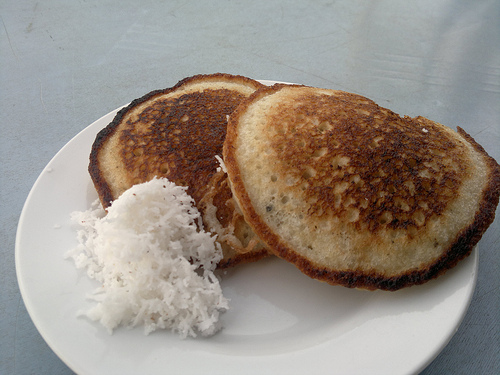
x,y
63,64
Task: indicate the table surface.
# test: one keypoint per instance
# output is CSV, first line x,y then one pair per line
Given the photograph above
x,y
64,64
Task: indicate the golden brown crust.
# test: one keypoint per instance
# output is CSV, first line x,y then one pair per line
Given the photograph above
x,y
378,184
179,160
399,164
174,133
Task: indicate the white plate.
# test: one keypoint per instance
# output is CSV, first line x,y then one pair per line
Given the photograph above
x,y
280,321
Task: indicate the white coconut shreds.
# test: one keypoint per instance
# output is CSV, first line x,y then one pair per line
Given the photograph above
x,y
222,166
154,264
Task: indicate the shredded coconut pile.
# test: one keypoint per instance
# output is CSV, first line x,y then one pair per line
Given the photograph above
x,y
154,263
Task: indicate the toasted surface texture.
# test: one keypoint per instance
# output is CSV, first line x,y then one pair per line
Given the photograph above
x,y
175,133
352,193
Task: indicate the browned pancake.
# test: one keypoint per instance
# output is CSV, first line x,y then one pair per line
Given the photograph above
x,y
223,216
174,133
354,194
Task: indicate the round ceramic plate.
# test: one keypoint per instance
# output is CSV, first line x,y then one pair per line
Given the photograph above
x,y
280,321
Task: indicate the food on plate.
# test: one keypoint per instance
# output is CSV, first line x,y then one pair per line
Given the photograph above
x,y
155,267
354,194
178,133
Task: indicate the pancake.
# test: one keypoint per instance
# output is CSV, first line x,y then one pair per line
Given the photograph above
x,y
354,194
177,133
